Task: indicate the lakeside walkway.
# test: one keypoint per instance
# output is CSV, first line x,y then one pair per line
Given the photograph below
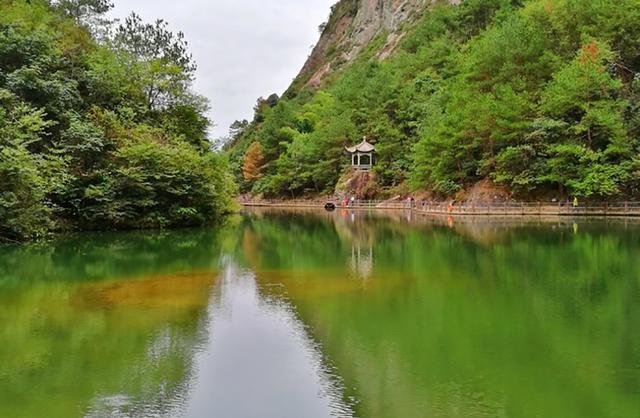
x,y
630,209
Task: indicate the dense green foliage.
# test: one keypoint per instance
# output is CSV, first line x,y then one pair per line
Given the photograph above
x,y
100,134
541,96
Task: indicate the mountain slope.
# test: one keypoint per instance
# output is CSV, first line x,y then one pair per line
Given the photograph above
x,y
352,25
538,97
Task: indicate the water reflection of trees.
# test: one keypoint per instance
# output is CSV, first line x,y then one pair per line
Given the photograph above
x,y
112,348
85,257
500,298
103,325
453,312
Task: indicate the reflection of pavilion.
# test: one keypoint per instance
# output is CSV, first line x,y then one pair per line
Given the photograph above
x,y
356,230
361,260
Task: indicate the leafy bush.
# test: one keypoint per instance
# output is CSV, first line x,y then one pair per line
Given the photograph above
x,y
100,134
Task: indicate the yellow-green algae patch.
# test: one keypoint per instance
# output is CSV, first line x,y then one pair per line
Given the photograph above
x,y
66,345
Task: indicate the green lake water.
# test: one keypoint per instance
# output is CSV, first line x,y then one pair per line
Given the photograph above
x,y
309,314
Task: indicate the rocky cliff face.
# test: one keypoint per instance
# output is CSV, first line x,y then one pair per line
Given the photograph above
x,y
352,26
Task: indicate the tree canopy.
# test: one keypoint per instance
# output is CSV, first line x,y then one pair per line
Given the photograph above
x,y
539,96
100,134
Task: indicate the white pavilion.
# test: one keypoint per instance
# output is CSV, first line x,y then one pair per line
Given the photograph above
x,y
362,155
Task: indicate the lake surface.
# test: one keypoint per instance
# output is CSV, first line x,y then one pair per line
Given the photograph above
x,y
309,314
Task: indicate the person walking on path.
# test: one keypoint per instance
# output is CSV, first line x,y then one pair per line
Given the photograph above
x,y
575,204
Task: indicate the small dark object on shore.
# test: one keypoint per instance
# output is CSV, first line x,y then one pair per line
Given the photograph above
x,y
330,207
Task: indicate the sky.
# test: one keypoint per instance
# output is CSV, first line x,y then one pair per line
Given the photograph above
x,y
244,49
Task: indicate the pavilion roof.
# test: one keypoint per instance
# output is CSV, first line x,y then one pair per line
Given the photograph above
x,y
364,146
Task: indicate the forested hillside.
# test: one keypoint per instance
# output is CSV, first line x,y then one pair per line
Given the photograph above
x,y
98,126
541,97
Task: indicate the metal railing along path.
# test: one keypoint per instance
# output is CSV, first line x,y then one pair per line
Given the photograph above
x,y
534,208
502,208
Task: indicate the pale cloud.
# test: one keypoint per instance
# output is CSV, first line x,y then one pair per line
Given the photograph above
x,y
244,48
